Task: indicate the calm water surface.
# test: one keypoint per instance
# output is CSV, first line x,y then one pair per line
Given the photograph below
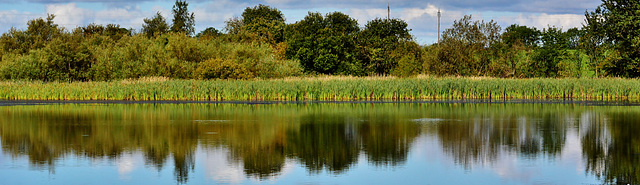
x,y
409,143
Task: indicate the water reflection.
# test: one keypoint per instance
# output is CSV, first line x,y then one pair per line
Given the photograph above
x,y
261,137
611,147
263,141
482,136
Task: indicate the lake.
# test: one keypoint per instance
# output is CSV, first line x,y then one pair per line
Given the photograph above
x,y
320,143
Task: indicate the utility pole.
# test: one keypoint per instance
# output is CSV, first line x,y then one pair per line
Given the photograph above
x,y
388,12
438,25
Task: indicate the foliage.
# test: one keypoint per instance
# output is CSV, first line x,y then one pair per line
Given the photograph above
x,y
233,25
517,34
465,48
324,44
155,26
116,32
594,42
617,21
208,33
265,22
221,69
378,45
98,53
264,46
38,33
183,21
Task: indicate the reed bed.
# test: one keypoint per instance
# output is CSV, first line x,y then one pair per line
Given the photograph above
x,y
327,89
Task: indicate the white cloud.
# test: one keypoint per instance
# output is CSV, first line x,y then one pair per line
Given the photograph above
x,y
213,14
126,17
422,21
365,15
220,169
409,14
127,163
541,21
70,15
279,1
16,19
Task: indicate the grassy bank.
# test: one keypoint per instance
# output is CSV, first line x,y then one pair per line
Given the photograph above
x,y
327,88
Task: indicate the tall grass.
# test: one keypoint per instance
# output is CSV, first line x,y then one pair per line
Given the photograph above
x,y
326,89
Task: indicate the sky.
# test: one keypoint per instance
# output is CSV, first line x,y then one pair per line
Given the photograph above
x,y
420,15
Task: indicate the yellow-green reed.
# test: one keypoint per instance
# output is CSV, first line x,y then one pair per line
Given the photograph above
x,y
326,89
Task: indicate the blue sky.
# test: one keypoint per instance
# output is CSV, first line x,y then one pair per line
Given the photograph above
x,y
421,15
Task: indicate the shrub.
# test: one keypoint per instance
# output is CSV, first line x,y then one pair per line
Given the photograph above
x,y
222,69
408,66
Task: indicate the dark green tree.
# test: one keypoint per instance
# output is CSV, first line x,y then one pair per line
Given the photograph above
x,y
516,33
209,32
619,22
183,21
261,13
324,44
93,29
546,58
378,43
265,22
155,26
116,32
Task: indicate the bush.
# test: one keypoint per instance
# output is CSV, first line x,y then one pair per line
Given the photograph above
x,y
222,69
408,66
184,48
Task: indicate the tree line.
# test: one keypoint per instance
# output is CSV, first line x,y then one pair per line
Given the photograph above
x,y
259,44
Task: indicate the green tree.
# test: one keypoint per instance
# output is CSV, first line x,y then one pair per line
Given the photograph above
x,y
233,25
42,31
92,29
466,48
527,36
264,21
379,43
546,58
619,22
155,26
183,21
324,44
594,42
39,32
116,32
209,32
260,13
572,36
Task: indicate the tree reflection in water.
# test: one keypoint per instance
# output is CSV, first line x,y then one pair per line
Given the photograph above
x,y
322,137
261,137
611,146
481,137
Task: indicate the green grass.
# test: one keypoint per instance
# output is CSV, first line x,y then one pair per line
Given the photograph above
x,y
327,89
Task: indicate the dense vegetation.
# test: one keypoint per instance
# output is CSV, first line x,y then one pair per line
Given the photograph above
x,y
329,89
259,44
